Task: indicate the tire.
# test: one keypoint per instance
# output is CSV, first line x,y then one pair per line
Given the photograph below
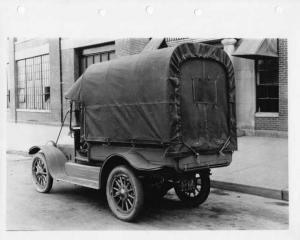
x,y
42,180
198,194
124,193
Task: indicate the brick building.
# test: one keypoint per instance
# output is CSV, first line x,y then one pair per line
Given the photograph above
x,y
39,71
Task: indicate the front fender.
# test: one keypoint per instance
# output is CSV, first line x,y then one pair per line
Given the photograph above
x,y
34,150
55,159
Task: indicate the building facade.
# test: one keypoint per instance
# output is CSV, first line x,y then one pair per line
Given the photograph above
x,y
39,71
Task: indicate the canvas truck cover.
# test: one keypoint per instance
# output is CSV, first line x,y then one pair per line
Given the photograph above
x,y
154,98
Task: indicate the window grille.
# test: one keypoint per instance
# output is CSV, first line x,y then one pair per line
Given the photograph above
x,y
267,85
33,88
87,60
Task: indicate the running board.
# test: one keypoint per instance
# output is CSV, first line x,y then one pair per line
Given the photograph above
x,y
83,175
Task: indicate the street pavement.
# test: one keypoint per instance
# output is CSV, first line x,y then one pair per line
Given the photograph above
x,y
70,207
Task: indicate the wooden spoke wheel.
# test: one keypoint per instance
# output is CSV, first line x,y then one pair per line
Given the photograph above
x,y
193,190
124,193
41,177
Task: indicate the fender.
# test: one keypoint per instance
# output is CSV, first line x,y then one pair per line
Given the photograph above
x,y
135,160
34,150
54,157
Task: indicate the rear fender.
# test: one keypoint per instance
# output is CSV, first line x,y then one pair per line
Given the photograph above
x,y
54,157
133,159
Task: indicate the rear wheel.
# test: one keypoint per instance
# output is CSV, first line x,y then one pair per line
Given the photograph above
x,y
41,177
124,193
193,190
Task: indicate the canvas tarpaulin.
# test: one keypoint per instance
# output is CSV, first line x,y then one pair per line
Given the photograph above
x,y
136,99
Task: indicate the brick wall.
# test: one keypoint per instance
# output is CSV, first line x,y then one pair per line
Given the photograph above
x,y
279,123
266,123
283,85
35,117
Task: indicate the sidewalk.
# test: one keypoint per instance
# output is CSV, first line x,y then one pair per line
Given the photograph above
x,y
259,167
22,136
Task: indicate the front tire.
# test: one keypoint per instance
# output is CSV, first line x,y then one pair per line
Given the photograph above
x,y
41,177
124,192
194,190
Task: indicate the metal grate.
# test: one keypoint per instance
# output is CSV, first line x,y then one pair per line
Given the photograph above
x,y
33,91
267,85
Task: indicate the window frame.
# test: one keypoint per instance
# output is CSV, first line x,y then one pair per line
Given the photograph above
x,y
36,72
84,58
257,84
197,92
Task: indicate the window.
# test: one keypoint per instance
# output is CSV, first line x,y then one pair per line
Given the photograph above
x,y
87,60
204,90
267,89
33,88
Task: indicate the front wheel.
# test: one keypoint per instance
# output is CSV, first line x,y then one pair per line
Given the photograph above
x,y
41,177
193,190
124,193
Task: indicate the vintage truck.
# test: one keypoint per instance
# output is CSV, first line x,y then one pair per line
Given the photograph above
x,y
144,124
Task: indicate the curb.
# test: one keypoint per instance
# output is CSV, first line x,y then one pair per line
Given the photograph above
x,y
259,191
18,152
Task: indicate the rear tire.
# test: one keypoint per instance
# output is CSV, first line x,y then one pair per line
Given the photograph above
x,y
41,177
198,193
124,192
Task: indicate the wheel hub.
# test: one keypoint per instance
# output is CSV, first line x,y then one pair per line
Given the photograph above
x,y
124,193
188,185
40,172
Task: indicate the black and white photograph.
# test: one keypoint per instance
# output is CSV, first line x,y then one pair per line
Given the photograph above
x,y
183,131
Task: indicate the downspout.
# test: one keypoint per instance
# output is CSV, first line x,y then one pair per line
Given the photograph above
x,y
61,83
